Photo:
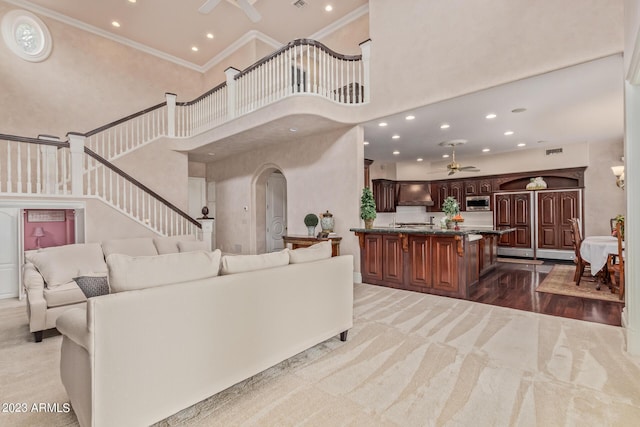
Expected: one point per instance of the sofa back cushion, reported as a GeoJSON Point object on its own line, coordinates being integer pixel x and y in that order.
{"type": "Point", "coordinates": [192, 246]}
{"type": "Point", "coordinates": [60, 264]}
{"type": "Point", "coordinates": [137, 246]}
{"type": "Point", "coordinates": [241, 263]}
{"type": "Point", "coordinates": [128, 273]}
{"type": "Point", "coordinates": [315, 252]}
{"type": "Point", "coordinates": [169, 245]}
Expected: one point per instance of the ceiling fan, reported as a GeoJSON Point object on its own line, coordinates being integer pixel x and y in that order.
{"type": "Point", "coordinates": [454, 166]}
{"type": "Point", "coordinates": [247, 7]}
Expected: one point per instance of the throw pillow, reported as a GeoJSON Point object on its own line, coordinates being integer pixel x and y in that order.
{"type": "Point", "coordinates": [128, 273]}
{"type": "Point", "coordinates": [315, 252]}
{"type": "Point", "coordinates": [92, 286]}
{"type": "Point", "coordinates": [192, 246]}
{"type": "Point", "coordinates": [243, 263]}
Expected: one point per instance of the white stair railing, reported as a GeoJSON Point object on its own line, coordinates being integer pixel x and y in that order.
{"type": "Point", "coordinates": [203, 113]}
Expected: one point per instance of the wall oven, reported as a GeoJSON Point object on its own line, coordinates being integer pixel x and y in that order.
{"type": "Point", "coordinates": [478, 203]}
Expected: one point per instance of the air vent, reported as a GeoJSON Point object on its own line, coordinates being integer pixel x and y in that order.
{"type": "Point", "coordinates": [299, 3]}
{"type": "Point", "coordinates": [554, 151]}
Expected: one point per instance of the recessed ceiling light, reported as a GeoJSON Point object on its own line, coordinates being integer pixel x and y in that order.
{"type": "Point", "coordinates": [293, 129]}
{"type": "Point", "coordinates": [209, 35]}
{"type": "Point", "coordinates": [490, 116]}
{"type": "Point", "coordinates": [395, 153]}
{"type": "Point", "coordinates": [486, 150]}
{"type": "Point", "coordinates": [445, 156]}
{"type": "Point", "coordinates": [328, 8]}
{"type": "Point", "coordinates": [445, 126]}
{"type": "Point", "coordinates": [366, 143]}
{"type": "Point", "coordinates": [509, 132]}
{"type": "Point", "coordinates": [395, 137]}
{"type": "Point", "coordinates": [194, 48]}
{"type": "Point", "coordinates": [419, 159]}
{"type": "Point", "coordinates": [132, 1]}
{"type": "Point", "coordinates": [522, 144]}
{"type": "Point", "coordinates": [518, 110]}
{"type": "Point", "coordinates": [410, 117]}
{"type": "Point", "coordinates": [382, 124]}
{"type": "Point", "coordinates": [211, 154]}
{"type": "Point", "coordinates": [115, 24]}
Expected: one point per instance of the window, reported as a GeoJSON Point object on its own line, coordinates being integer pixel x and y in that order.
{"type": "Point", "coordinates": [26, 35]}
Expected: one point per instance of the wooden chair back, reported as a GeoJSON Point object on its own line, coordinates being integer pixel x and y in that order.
{"type": "Point", "coordinates": [576, 236]}
{"type": "Point", "coordinates": [612, 223]}
{"type": "Point", "coordinates": [620, 257]}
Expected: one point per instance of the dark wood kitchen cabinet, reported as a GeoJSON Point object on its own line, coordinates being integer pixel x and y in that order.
{"type": "Point", "coordinates": [514, 211]}
{"type": "Point", "coordinates": [384, 193]}
{"type": "Point", "coordinates": [443, 189]}
{"type": "Point", "coordinates": [372, 257]}
{"type": "Point", "coordinates": [392, 258]}
{"type": "Point", "coordinates": [555, 209]}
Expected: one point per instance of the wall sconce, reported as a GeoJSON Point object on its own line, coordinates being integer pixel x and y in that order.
{"type": "Point", "coordinates": [618, 171]}
{"type": "Point", "coordinates": [38, 232]}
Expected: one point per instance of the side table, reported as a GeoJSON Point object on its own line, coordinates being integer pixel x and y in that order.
{"type": "Point", "coordinates": [304, 241]}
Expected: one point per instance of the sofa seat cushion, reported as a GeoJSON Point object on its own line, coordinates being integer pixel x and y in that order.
{"type": "Point", "coordinates": [243, 263]}
{"type": "Point", "coordinates": [128, 273]}
{"type": "Point", "coordinates": [137, 246]}
{"type": "Point", "coordinates": [58, 265]}
{"type": "Point", "coordinates": [66, 294]}
{"type": "Point", "coordinates": [169, 245]}
{"type": "Point", "coordinates": [315, 252]}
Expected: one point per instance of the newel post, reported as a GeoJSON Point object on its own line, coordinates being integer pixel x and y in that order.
{"type": "Point", "coordinates": [76, 147]}
{"type": "Point", "coordinates": [49, 165]}
{"type": "Point", "coordinates": [365, 49]}
{"type": "Point", "coordinates": [232, 92]}
{"type": "Point", "coordinates": [206, 233]}
{"type": "Point", "coordinates": [171, 114]}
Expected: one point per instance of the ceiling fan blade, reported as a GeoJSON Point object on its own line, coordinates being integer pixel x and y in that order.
{"type": "Point", "coordinates": [208, 6]}
{"type": "Point", "coordinates": [451, 172]}
{"type": "Point", "coordinates": [468, 168]}
{"type": "Point", "coordinates": [251, 11]}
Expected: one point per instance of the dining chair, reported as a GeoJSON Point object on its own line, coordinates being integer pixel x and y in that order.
{"type": "Point", "coordinates": [581, 264]}
{"type": "Point", "coordinates": [617, 267]}
{"type": "Point", "coordinates": [612, 224]}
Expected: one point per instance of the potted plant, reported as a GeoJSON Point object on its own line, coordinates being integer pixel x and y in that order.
{"type": "Point", "coordinates": [450, 207]}
{"type": "Point", "coordinates": [367, 207]}
{"type": "Point", "coordinates": [311, 220]}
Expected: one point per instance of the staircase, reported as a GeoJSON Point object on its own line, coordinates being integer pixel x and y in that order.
{"type": "Point", "coordinates": [82, 165]}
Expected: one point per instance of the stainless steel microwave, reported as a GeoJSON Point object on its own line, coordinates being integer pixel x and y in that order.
{"type": "Point", "coordinates": [478, 203]}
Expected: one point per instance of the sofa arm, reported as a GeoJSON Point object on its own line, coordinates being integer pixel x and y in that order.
{"type": "Point", "coordinates": [36, 305]}
{"type": "Point", "coordinates": [32, 279]}
{"type": "Point", "coordinates": [73, 324]}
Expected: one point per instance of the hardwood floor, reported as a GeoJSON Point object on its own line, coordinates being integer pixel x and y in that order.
{"type": "Point", "coordinates": [514, 286]}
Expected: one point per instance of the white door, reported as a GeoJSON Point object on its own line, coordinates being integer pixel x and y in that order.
{"type": "Point", "coordinates": [276, 211]}
{"type": "Point", "coordinates": [9, 260]}
{"type": "Point", "coordinates": [197, 196]}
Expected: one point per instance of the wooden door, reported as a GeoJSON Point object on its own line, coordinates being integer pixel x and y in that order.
{"type": "Point", "coordinates": [568, 205]}
{"type": "Point", "coordinates": [445, 274]}
{"type": "Point", "coordinates": [9, 259]}
{"type": "Point", "coordinates": [371, 257]}
{"type": "Point", "coordinates": [503, 218]}
{"type": "Point", "coordinates": [521, 220]}
{"type": "Point", "coordinates": [276, 211]}
{"type": "Point", "coordinates": [548, 230]}
{"type": "Point", "coordinates": [392, 264]}
{"type": "Point", "coordinates": [420, 261]}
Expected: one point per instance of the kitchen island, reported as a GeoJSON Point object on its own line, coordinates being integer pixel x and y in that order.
{"type": "Point", "coordinates": [427, 258]}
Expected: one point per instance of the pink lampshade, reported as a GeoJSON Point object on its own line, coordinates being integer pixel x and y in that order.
{"type": "Point", "coordinates": [38, 232]}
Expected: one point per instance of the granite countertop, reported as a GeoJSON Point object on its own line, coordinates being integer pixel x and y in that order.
{"type": "Point", "coordinates": [431, 229]}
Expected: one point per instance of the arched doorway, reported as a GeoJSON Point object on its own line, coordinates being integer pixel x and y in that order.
{"type": "Point", "coordinates": [270, 220]}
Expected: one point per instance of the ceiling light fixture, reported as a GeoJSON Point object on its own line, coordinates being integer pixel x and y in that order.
{"type": "Point", "coordinates": [328, 8]}
{"type": "Point", "coordinates": [194, 48]}
{"type": "Point", "coordinates": [293, 129]}
{"type": "Point", "coordinates": [445, 126]}
{"type": "Point", "coordinates": [509, 132]}
{"type": "Point", "coordinates": [445, 156]}
{"type": "Point", "coordinates": [382, 124]}
{"type": "Point", "coordinates": [395, 153]}
{"type": "Point", "coordinates": [395, 137]}
{"type": "Point", "coordinates": [410, 117]}
{"type": "Point", "coordinates": [618, 171]}
{"type": "Point", "coordinates": [132, 1]}
{"type": "Point", "coordinates": [490, 116]}
{"type": "Point", "coordinates": [419, 159]}
{"type": "Point", "coordinates": [209, 35]}
{"type": "Point", "coordinates": [211, 154]}
{"type": "Point", "coordinates": [366, 143]}
{"type": "Point", "coordinates": [115, 24]}
{"type": "Point", "coordinates": [486, 150]}
{"type": "Point", "coordinates": [522, 144]}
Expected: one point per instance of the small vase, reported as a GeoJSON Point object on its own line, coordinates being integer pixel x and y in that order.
{"type": "Point", "coordinates": [368, 224]}
{"type": "Point", "coordinates": [311, 230]}
{"type": "Point", "coordinates": [450, 224]}
{"type": "Point", "coordinates": [327, 222]}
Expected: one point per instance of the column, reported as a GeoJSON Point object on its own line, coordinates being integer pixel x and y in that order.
{"type": "Point", "coordinates": [365, 48]}
{"type": "Point", "coordinates": [232, 92]}
{"type": "Point", "coordinates": [76, 146]}
{"type": "Point", "coordinates": [171, 114]}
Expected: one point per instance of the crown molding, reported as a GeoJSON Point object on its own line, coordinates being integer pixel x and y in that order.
{"type": "Point", "coordinates": [336, 25]}
{"type": "Point", "coordinates": [100, 32]}
{"type": "Point", "coordinates": [246, 38]}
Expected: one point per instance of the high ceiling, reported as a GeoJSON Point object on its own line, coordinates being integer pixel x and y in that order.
{"type": "Point", "coordinates": [583, 103]}
{"type": "Point", "coordinates": [173, 27]}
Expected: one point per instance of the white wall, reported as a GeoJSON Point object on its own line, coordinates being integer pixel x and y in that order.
{"type": "Point", "coordinates": [323, 172]}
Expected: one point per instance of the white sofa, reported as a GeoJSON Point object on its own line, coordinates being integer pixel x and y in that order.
{"type": "Point", "coordinates": [50, 297]}
{"type": "Point", "coordinates": [139, 355]}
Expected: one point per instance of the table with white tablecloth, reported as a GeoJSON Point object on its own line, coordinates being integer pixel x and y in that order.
{"type": "Point", "coordinates": [596, 250]}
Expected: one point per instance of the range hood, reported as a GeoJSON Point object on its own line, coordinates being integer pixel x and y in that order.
{"type": "Point", "coordinates": [413, 194]}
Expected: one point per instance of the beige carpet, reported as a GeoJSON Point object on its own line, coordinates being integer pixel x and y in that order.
{"type": "Point", "coordinates": [560, 281]}
{"type": "Point", "coordinates": [411, 360]}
